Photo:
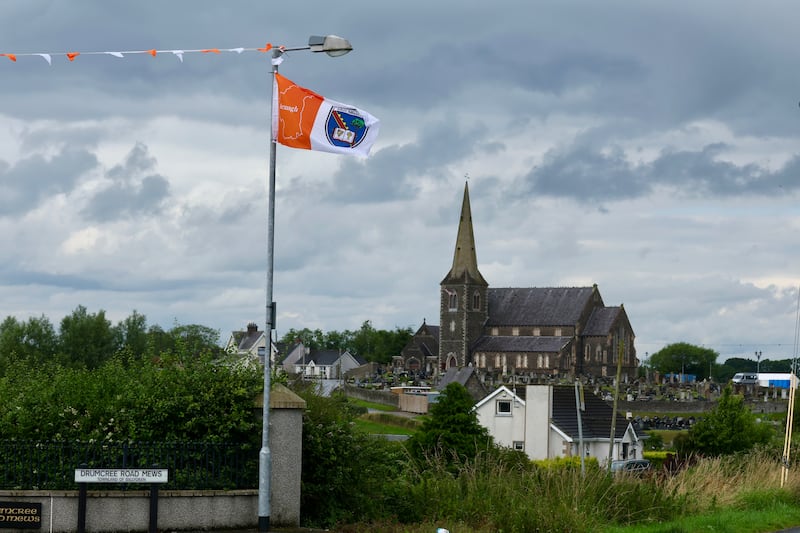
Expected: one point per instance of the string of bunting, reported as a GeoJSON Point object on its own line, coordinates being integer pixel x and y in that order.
{"type": "Point", "coordinates": [48, 56]}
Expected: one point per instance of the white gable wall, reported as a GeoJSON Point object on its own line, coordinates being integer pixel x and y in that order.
{"type": "Point", "coordinates": [507, 427]}
{"type": "Point", "coordinates": [538, 406]}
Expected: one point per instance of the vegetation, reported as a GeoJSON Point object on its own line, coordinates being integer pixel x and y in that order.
{"type": "Point", "coordinates": [730, 427]}
{"type": "Point", "coordinates": [374, 345]}
{"type": "Point", "coordinates": [452, 430]}
{"type": "Point", "coordinates": [685, 358]}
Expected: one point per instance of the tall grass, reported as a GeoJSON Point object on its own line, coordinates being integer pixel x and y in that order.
{"type": "Point", "coordinates": [494, 494]}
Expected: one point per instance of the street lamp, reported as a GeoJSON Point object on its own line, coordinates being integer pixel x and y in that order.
{"type": "Point", "coordinates": [758, 362]}
{"type": "Point", "coordinates": [333, 46]}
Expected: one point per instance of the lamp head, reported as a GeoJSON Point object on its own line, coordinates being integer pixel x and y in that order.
{"type": "Point", "coordinates": [332, 45]}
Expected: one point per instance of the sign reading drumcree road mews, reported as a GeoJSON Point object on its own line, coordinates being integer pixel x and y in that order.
{"type": "Point", "coordinates": [121, 475]}
{"type": "Point", "coordinates": [20, 515]}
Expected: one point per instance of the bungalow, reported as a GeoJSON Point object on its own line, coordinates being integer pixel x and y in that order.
{"type": "Point", "coordinates": [326, 364]}
{"type": "Point", "coordinates": [547, 421]}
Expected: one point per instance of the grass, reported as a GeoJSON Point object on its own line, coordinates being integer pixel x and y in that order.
{"type": "Point", "coordinates": [734, 494]}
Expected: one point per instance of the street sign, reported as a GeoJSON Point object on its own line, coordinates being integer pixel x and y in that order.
{"type": "Point", "coordinates": [121, 475]}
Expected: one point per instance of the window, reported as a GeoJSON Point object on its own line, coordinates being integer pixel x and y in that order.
{"type": "Point", "coordinates": [476, 301]}
{"type": "Point", "coordinates": [537, 332]}
{"type": "Point", "coordinates": [519, 445]}
{"type": "Point", "coordinates": [452, 300]}
{"type": "Point", "coordinates": [503, 407]}
{"type": "Point", "coordinates": [558, 332]}
{"type": "Point", "coordinates": [515, 332]}
{"type": "Point", "coordinates": [495, 332]}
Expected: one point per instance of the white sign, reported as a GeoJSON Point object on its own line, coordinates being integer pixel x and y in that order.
{"type": "Point", "coordinates": [121, 475]}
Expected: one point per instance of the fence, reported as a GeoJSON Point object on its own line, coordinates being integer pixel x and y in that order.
{"type": "Point", "coordinates": [50, 465]}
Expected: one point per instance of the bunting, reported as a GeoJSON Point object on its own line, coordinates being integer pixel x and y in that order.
{"type": "Point", "coordinates": [121, 54]}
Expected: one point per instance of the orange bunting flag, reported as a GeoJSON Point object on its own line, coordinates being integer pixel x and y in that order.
{"type": "Point", "coordinates": [210, 51]}
{"type": "Point", "coordinates": [72, 55]}
{"type": "Point", "coordinates": [266, 48]}
{"type": "Point", "coordinates": [152, 52]}
{"type": "Point", "coordinates": [304, 119]}
{"type": "Point", "coordinates": [12, 57]}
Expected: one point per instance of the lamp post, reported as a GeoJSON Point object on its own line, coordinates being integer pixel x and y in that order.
{"type": "Point", "coordinates": [333, 46]}
{"type": "Point", "coordinates": [758, 362]}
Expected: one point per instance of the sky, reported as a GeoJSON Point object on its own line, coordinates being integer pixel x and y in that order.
{"type": "Point", "coordinates": [652, 148]}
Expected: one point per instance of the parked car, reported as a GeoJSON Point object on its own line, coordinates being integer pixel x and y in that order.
{"type": "Point", "coordinates": [742, 378]}
{"type": "Point", "coordinates": [633, 466]}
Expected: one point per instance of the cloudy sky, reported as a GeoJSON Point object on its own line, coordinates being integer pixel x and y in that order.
{"type": "Point", "coordinates": [651, 148]}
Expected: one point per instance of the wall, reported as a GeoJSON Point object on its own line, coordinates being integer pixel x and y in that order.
{"type": "Point", "coordinates": [369, 395]}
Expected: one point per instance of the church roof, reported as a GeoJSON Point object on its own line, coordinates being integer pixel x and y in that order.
{"type": "Point", "coordinates": [520, 344]}
{"type": "Point", "coordinates": [537, 306]}
{"type": "Point", "coordinates": [601, 321]}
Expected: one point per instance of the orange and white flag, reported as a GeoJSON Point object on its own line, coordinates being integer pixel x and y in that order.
{"type": "Point", "coordinates": [304, 119]}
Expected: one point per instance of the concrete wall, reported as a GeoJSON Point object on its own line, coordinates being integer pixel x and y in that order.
{"type": "Point", "coordinates": [538, 406]}
{"type": "Point", "coordinates": [112, 511]}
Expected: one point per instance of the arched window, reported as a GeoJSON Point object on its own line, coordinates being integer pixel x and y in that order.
{"type": "Point", "coordinates": [452, 300]}
{"type": "Point", "coordinates": [476, 301]}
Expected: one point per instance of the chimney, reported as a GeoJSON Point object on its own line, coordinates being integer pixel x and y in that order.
{"type": "Point", "coordinates": [252, 327]}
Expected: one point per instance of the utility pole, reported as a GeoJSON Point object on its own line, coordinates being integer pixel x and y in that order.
{"type": "Point", "coordinates": [614, 409]}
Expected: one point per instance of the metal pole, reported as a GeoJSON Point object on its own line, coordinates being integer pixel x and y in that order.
{"type": "Point", "coordinates": [265, 456]}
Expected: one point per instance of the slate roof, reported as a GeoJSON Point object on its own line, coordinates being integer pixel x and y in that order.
{"type": "Point", "coordinates": [596, 419]}
{"type": "Point", "coordinates": [537, 306]}
{"type": "Point", "coordinates": [246, 339]}
{"type": "Point", "coordinates": [457, 375]}
{"type": "Point", "coordinates": [323, 357]}
{"type": "Point", "coordinates": [601, 320]}
{"type": "Point", "coordinates": [520, 344]}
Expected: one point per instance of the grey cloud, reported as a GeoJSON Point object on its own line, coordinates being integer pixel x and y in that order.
{"type": "Point", "coordinates": [587, 174]}
{"type": "Point", "coordinates": [133, 190]}
{"type": "Point", "coordinates": [30, 181]}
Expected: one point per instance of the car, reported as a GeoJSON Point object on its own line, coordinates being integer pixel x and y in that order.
{"type": "Point", "coordinates": [633, 466]}
{"type": "Point", "coordinates": [742, 378]}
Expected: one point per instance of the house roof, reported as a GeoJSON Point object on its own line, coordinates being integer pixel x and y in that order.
{"type": "Point", "coordinates": [520, 344]}
{"type": "Point", "coordinates": [497, 392]}
{"type": "Point", "coordinates": [537, 306]}
{"type": "Point", "coordinates": [245, 340]}
{"type": "Point", "coordinates": [460, 375]}
{"type": "Point", "coordinates": [324, 357]}
{"type": "Point", "coordinates": [595, 419]}
{"type": "Point", "coordinates": [601, 321]}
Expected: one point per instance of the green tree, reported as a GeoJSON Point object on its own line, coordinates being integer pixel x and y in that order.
{"type": "Point", "coordinates": [686, 358]}
{"type": "Point", "coordinates": [34, 341]}
{"type": "Point", "coordinates": [132, 333]}
{"type": "Point", "coordinates": [347, 475]}
{"type": "Point", "coordinates": [86, 339]}
{"type": "Point", "coordinates": [452, 431]}
{"type": "Point", "coordinates": [728, 428]}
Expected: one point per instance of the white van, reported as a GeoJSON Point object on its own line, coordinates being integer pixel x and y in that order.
{"type": "Point", "coordinates": [744, 378]}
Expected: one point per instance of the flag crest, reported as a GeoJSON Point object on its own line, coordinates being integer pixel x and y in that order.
{"type": "Point", "coordinates": [304, 119]}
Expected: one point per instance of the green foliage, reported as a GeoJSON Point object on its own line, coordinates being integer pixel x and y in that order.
{"type": "Point", "coordinates": [684, 357]}
{"type": "Point", "coordinates": [126, 398]}
{"type": "Point", "coordinates": [730, 427]}
{"type": "Point", "coordinates": [452, 431]}
{"type": "Point", "coordinates": [367, 342]}
{"type": "Point", "coordinates": [347, 474]}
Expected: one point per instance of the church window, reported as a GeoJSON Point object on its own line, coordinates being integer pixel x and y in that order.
{"type": "Point", "coordinates": [515, 332]}
{"type": "Point", "coordinates": [537, 332]}
{"type": "Point", "coordinates": [452, 325]}
{"type": "Point", "coordinates": [547, 361]}
{"type": "Point", "coordinates": [558, 332]}
{"type": "Point", "coordinates": [495, 332]}
{"type": "Point", "coordinates": [476, 301]}
{"type": "Point", "coordinates": [539, 361]}
{"type": "Point", "coordinates": [452, 300]}
{"type": "Point", "coordinates": [598, 354]}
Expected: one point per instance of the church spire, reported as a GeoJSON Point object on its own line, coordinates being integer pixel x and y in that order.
{"type": "Point", "coordinates": [465, 260]}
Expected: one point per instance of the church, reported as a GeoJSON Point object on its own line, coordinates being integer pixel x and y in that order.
{"type": "Point", "coordinates": [518, 335]}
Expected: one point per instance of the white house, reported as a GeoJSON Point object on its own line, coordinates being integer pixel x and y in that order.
{"type": "Point", "coordinates": [251, 344]}
{"type": "Point", "coordinates": [326, 364]}
{"type": "Point", "coordinates": [502, 412]}
{"type": "Point", "coordinates": [544, 422]}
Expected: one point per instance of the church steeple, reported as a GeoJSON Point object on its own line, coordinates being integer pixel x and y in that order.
{"type": "Point", "coordinates": [463, 299]}
{"type": "Point", "coordinates": [465, 260]}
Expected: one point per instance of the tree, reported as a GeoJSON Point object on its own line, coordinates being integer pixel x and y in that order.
{"type": "Point", "coordinates": [728, 428]}
{"type": "Point", "coordinates": [132, 333]}
{"type": "Point", "coordinates": [86, 339]}
{"type": "Point", "coordinates": [452, 432]}
{"type": "Point", "coordinates": [685, 358]}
